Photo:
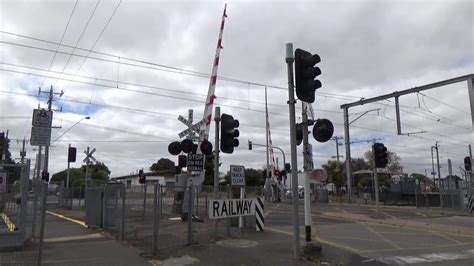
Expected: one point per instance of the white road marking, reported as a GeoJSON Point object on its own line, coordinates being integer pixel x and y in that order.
{"type": "Point", "coordinates": [430, 257]}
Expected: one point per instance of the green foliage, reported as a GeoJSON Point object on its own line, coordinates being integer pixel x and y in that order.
{"type": "Point", "coordinates": [393, 165]}
{"type": "Point", "coordinates": [358, 164]}
{"type": "Point", "coordinates": [335, 171]}
{"type": "Point", "coordinates": [163, 164]}
{"type": "Point", "coordinates": [99, 172]}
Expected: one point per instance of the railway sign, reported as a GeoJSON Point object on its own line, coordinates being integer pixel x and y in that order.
{"type": "Point", "coordinates": [237, 175]}
{"type": "Point", "coordinates": [231, 208]}
{"type": "Point", "coordinates": [89, 156]}
{"type": "Point", "coordinates": [195, 162]}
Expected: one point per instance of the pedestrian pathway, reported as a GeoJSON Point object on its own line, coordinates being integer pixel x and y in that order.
{"type": "Point", "coordinates": [69, 242]}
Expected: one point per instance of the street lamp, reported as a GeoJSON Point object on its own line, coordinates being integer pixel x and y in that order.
{"type": "Point", "coordinates": [64, 133]}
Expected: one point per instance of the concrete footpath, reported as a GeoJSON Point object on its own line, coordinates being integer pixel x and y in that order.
{"type": "Point", "coordinates": [253, 248]}
{"type": "Point", "coordinates": [69, 242]}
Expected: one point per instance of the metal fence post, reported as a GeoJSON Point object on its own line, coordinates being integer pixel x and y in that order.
{"type": "Point", "coordinates": [190, 215]}
{"type": "Point", "coordinates": [155, 222]}
{"type": "Point", "coordinates": [122, 229]}
{"type": "Point", "coordinates": [144, 202]}
{"type": "Point", "coordinates": [80, 195]}
{"type": "Point", "coordinates": [42, 222]}
{"type": "Point", "coordinates": [161, 199]}
{"type": "Point", "coordinates": [206, 214]}
{"type": "Point", "coordinates": [197, 202]}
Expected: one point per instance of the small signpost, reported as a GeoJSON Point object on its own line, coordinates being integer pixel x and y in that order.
{"type": "Point", "coordinates": [87, 160]}
{"type": "Point", "coordinates": [3, 182]}
{"type": "Point", "coordinates": [237, 175]}
{"type": "Point", "coordinates": [41, 127]}
{"type": "Point", "coordinates": [195, 162]}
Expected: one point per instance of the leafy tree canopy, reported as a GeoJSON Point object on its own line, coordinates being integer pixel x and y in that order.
{"type": "Point", "coordinates": [163, 164]}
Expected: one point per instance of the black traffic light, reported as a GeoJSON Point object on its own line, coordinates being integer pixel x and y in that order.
{"type": "Point", "coordinates": [467, 163]}
{"type": "Point", "coordinates": [288, 167]}
{"type": "Point", "coordinates": [305, 74]}
{"type": "Point", "coordinates": [141, 177]}
{"type": "Point", "coordinates": [206, 147]}
{"type": "Point", "coordinates": [174, 148]}
{"type": "Point", "coordinates": [45, 176]}
{"type": "Point", "coordinates": [229, 133]}
{"type": "Point", "coordinates": [71, 154]}
{"type": "Point", "coordinates": [380, 155]}
{"type": "Point", "coordinates": [187, 146]}
{"type": "Point", "coordinates": [299, 133]}
{"type": "Point", "coordinates": [323, 130]}
{"type": "Point", "coordinates": [182, 160]}
{"type": "Point", "coordinates": [250, 145]}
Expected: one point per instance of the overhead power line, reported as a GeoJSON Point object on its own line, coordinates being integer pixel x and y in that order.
{"type": "Point", "coordinates": [161, 67]}
{"type": "Point", "coordinates": [61, 41]}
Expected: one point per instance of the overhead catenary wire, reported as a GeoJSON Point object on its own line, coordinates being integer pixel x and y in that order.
{"type": "Point", "coordinates": [60, 41]}
{"type": "Point", "coordinates": [80, 37]}
{"type": "Point", "coordinates": [163, 67]}
{"type": "Point", "coordinates": [151, 112]}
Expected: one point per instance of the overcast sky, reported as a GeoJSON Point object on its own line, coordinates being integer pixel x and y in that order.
{"type": "Point", "coordinates": [367, 48]}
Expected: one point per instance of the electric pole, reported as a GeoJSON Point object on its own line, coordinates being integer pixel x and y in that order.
{"type": "Point", "coordinates": [50, 103]}
{"type": "Point", "coordinates": [336, 138]}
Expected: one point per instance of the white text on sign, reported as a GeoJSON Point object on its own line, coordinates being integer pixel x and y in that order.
{"type": "Point", "coordinates": [231, 208]}
{"type": "Point", "coordinates": [237, 175]}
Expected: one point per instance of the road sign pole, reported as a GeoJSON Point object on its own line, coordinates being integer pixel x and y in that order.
{"type": "Point", "coordinates": [289, 58]}
{"type": "Point", "coordinates": [87, 172]}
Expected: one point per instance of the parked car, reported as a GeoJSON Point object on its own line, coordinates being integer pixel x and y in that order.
{"type": "Point", "coordinates": [331, 188]}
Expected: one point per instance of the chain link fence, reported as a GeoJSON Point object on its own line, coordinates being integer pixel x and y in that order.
{"type": "Point", "coordinates": [157, 217]}
{"type": "Point", "coordinates": [21, 223]}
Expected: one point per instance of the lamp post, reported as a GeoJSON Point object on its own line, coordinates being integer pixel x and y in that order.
{"type": "Point", "coordinates": [64, 133]}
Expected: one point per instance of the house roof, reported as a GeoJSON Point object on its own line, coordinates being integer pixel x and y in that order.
{"type": "Point", "coordinates": [154, 173]}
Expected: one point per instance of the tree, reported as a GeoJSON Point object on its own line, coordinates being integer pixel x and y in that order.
{"type": "Point", "coordinates": [393, 165]}
{"type": "Point", "coordinates": [209, 167]}
{"type": "Point", "coordinates": [162, 164]}
{"type": "Point", "coordinates": [335, 171]}
{"type": "Point", "coordinates": [358, 164]}
{"type": "Point", "coordinates": [99, 172]}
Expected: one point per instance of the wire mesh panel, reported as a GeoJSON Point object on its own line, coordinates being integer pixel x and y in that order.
{"type": "Point", "coordinates": [20, 237]}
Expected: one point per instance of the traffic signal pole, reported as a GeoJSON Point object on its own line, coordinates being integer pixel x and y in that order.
{"type": "Point", "coordinates": [217, 119]}
{"type": "Point", "coordinates": [289, 58]}
{"type": "Point", "coordinates": [306, 166]}
{"type": "Point", "coordinates": [376, 182]}
{"type": "Point", "coordinates": [68, 165]}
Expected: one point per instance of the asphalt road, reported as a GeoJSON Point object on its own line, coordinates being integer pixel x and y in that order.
{"type": "Point", "coordinates": [375, 242]}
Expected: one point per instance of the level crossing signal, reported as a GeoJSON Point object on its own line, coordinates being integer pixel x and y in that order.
{"type": "Point", "coordinates": [141, 177]}
{"type": "Point", "coordinates": [188, 146]}
{"type": "Point", "coordinates": [229, 133]}
{"type": "Point", "coordinates": [380, 155]}
{"type": "Point", "coordinates": [71, 154]}
{"type": "Point", "coordinates": [467, 163]}
{"type": "Point", "coordinates": [45, 176]}
{"type": "Point", "coordinates": [305, 74]}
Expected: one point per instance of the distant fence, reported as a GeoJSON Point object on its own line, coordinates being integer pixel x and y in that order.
{"type": "Point", "coordinates": [156, 217]}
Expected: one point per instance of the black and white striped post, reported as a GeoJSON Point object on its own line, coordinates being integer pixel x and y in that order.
{"type": "Point", "coordinates": [259, 215]}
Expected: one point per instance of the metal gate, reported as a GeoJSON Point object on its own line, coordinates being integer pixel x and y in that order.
{"type": "Point", "coordinates": [22, 213]}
